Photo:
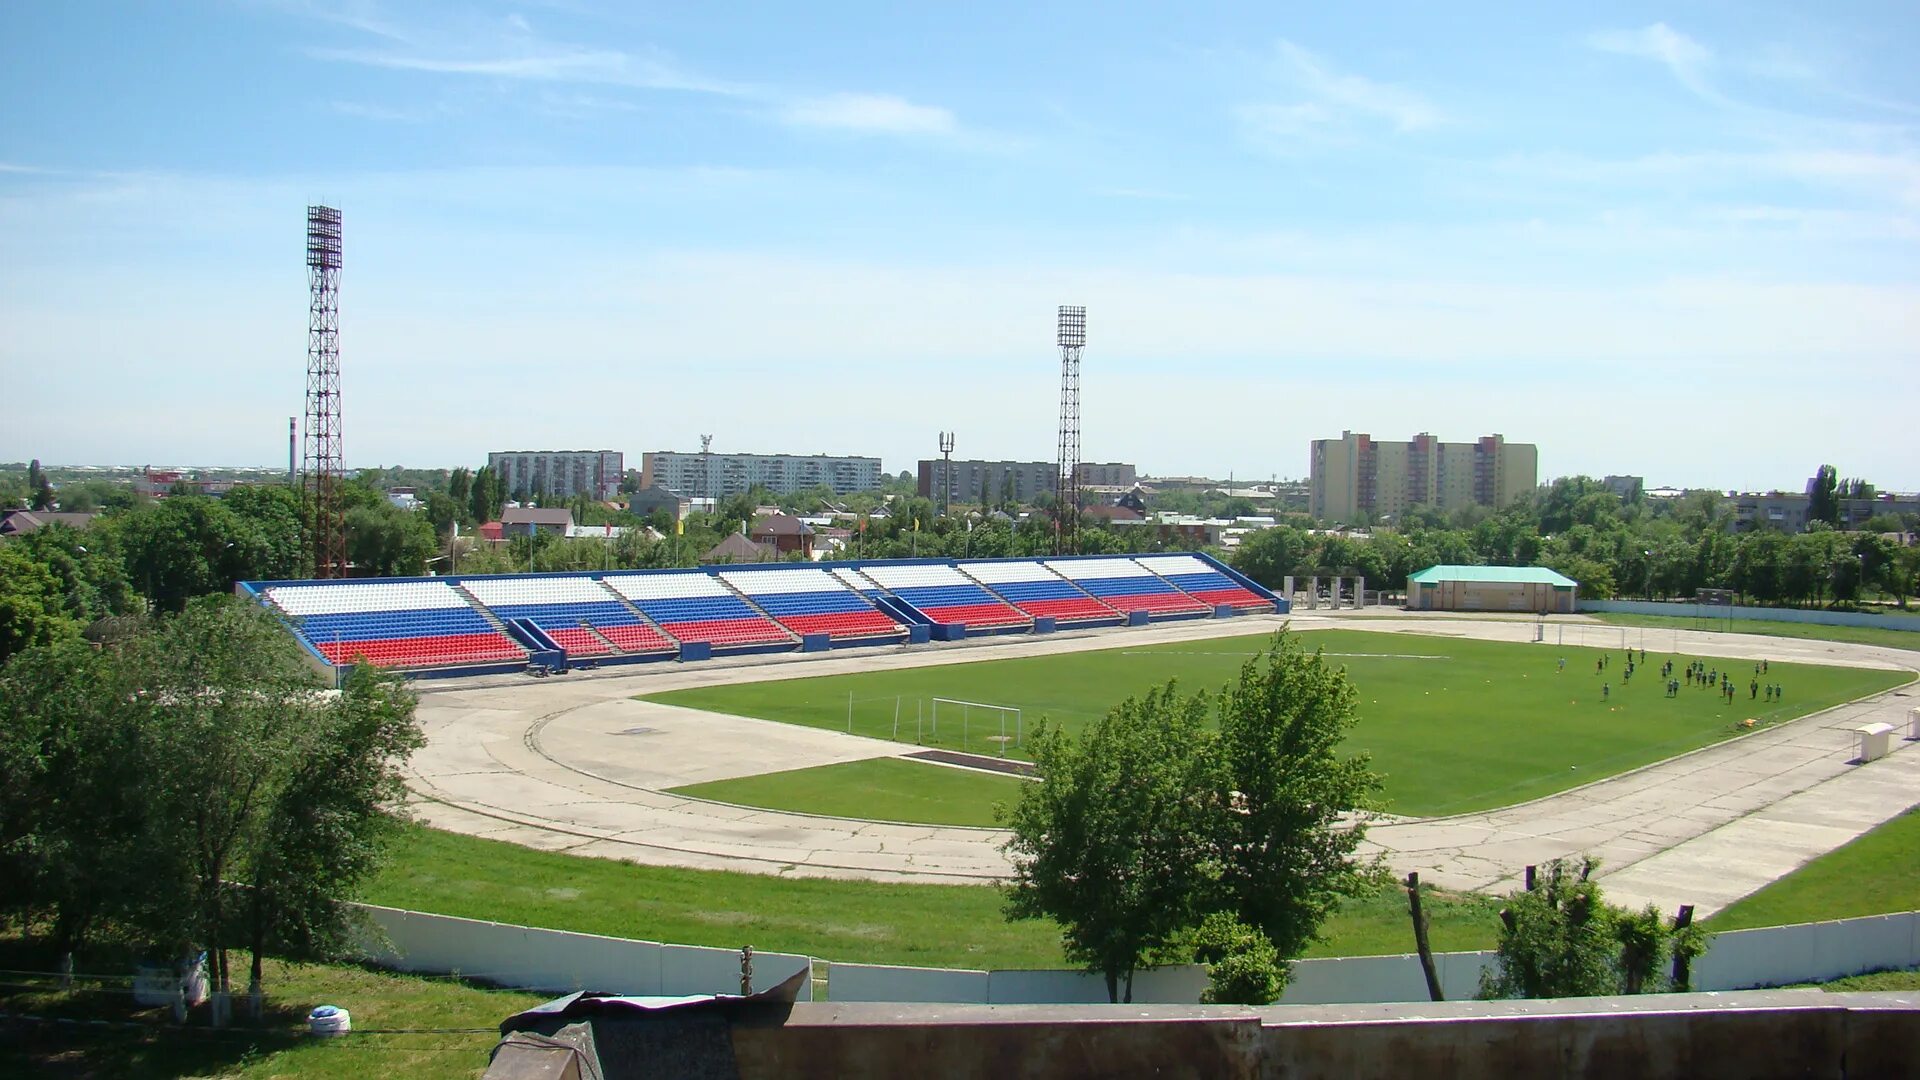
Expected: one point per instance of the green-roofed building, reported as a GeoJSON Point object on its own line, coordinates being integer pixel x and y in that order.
{"type": "Point", "coordinates": [1492, 588]}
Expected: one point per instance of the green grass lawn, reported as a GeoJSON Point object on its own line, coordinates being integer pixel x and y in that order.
{"type": "Point", "coordinates": [849, 921]}
{"type": "Point", "coordinates": [887, 789]}
{"type": "Point", "coordinates": [466, 1020]}
{"type": "Point", "coordinates": [1878, 980]}
{"type": "Point", "coordinates": [1876, 874]}
{"type": "Point", "coordinates": [1859, 635]}
{"type": "Point", "coordinates": [1454, 724]}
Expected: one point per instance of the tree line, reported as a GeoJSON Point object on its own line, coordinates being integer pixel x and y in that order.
{"type": "Point", "coordinates": [192, 787]}
{"type": "Point", "coordinates": [1632, 548]}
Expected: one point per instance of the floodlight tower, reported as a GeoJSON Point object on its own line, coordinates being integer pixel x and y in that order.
{"type": "Point", "coordinates": [324, 460]}
{"type": "Point", "coordinates": [1072, 338]}
{"type": "Point", "coordinates": [946, 470]}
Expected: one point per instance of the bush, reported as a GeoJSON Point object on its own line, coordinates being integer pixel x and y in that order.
{"type": "Point", "coordinates": [1243, 967]}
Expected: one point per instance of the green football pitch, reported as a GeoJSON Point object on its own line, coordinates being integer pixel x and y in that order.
{"type": "Point", "coordinates": [1453, 724]}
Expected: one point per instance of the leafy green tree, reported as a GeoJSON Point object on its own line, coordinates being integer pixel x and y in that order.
{"type": "Point", "coordinates": [1823, 501]}
{"type": "Point", "coordinates": [1269, 555]}
{"type": "Point", "coordinates": [191, 545]}
{"type": "Point", "coordinates": [279, 543]}
{"type": "Point", "coordinates": [1294, 803]}
{"type": "Point", "coordinates": [442, 513]}
{"type": "Point", "coordinates": [1107, 843]}
{"type": "Point", "coordinates": [40, 491]}
{"type": "Point", "coordinates": [73, 809]}
{"type": "Point", "coordinates": [326, 834]}
{"type": "Point", "coordinates": [92, 578]}
{"type": "Point", "coordinates": [1562, 939]}
{"type": "Point", "coordinates": [1243, 967]}
{"type": "Point", "coordinates": [31, 611]}
{"type": "Point", "coordinates": [189, 788]}
{"type": "Point", "coordinates": [386, 541]}
{"type": "Point", "coordinates": [460, 488]}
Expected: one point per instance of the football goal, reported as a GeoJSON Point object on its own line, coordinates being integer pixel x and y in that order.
{"type": "Point", "coordinates": [999, 725]}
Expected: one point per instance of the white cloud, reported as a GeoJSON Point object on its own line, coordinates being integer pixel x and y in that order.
{"type": "Point", "coordinates": [880, 114]}
{"type": "Point", "coordinates": [1686, 59]}
{"type": "Point", "coordinates": [545, 63]}
{"type": "Point", "coordinates": [1333, 93]}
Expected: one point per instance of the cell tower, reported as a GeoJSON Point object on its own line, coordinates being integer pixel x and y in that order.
{"type": "Point", "coordinates": [1066, 522]}
{"type": "Point", "coordinates": [323, 461]}
{"type": "Point", "coordinates": [946, 471]}
{"type": "Point", "coordinates": [706, 471]}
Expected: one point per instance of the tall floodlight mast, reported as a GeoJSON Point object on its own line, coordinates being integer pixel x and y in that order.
{"type": "Point", "coordinates": [324, 462]}
{"type": "Point", "coordinates": [1066, 522]}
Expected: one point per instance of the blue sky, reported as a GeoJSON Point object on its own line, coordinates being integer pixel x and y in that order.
{"type": "Point", "coordinates": [1680, 241]}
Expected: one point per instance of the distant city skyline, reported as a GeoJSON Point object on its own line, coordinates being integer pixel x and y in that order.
{"type": "Point", "coordinates": [1682, 243]}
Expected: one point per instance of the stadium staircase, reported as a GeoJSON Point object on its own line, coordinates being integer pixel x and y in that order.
{"type": "Point", "coordinates": [1205, 584]}
{"type": "Point", "coordinates": [485, 612]}
{"type": "Point", "coordinates": [758, 610]}
{"type": "Point", "coordinates": [645, 621]}
{"type": "Point", "coordinates": [1031, 587]}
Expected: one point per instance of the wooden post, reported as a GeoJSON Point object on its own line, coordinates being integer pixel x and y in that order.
{"type": "Point", "coordinates": [1682, 964]}
{"type": "Point", "coordinates": [1420, 938]}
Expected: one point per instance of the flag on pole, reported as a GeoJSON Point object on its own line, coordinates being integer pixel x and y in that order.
{"type": "Point", "coordinates": [680, 527]}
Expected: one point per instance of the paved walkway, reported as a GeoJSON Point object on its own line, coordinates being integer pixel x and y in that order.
{"type": "Point", "coordinates": [574, 764]}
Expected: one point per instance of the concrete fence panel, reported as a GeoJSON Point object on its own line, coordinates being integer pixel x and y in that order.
{"type": "Point", "coordinates": [1738, 959]}
{"type": "Point", "coordinates": [883, 982]}
{"type": "Point", "coordinates": [1689, 610]}
{"type": "Point", "coordinates": [695, 969]}
{"type": "Point", "coordinates": [561, 962]}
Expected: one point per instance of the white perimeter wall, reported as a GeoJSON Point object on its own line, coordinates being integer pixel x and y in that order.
{"type": "Point", "coordinates": [1686, 610]}
{"type": "Point", "coordinates": [558, 961]}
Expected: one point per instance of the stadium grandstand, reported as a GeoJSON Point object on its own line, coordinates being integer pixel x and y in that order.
{"type": "Point", "coordinates": [514, 622]}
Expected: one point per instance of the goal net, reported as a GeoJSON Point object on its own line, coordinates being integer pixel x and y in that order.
{"type": "Point", "coordinates": [991, 726]}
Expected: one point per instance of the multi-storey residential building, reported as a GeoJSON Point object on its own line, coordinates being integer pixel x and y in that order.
{"type": "Point", "coordinates": [560, 474]}
{"type": "Point", "coordinates": [1788, 511]}
{"type": "Point", "coordinates": [1356, 475]}
{"type": "Point", "coordinates": [1030, 478]}
{"type": "Point", "coordinates": [718, 476]}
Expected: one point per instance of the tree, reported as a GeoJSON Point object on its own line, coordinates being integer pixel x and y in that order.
{"type": "Point", "coordinates": [73, 808]}
{"type": "Point", "coordinates": [1243, 967]}
{"type": "Point", "coordinates": [1106, 843]}
{"type": "Point", "coordinates": [1269, 555]}
{"type": "Point", "coordinates": [189, 789]}
{"type": "Point", "coordinates": [1562, 939]}
{"type": "Point", "coordinates": [192, 545]}
{"type": "Point", "coordinates": [39, 490]}
{"type": "Point", "coordinates": [1823, 502]}
{"type": "Point", "coordinates": [460, 489]}
{"type": "Point", "coordinates": [488, 495]}
{"type": "Point", "coordinates": [386, 541]}
{"type": "Point", "coordinates": [1294, 805]}
{"type": "Point", "coordinates": [31, 612]}
{"type": "Point", "coordinates": [326, 833]}
{"type": "Point", "coordinates": [277, 548]}
{"type": "Point", "coordinates": [1149, 823]}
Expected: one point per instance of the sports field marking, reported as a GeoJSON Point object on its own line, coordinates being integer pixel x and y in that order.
{"type": "Point", "coordinates": [1363, 655]}
{"type": "Point", "coordinates": [1507, 724]}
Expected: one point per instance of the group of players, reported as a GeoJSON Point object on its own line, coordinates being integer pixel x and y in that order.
{"type": "Point", "coordinates": [1696, 673]}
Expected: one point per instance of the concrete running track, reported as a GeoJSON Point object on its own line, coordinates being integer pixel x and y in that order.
{"type": "Point", "coordinates": [574, 764]}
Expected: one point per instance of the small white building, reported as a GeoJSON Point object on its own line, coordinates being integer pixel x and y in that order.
{"type": "Point", "coordinates": [1492, 588]}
